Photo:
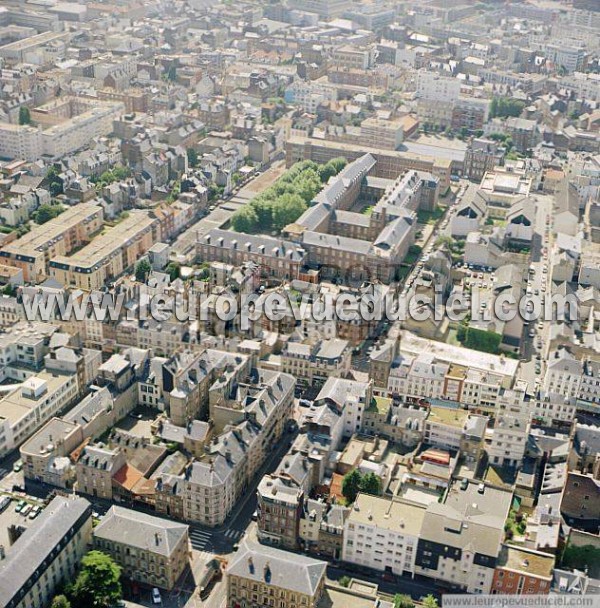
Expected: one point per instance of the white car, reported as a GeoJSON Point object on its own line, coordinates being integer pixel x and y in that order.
{"type": "Point", "coordinates": [156, 599]}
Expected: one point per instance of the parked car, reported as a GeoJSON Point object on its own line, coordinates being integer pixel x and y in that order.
{"type": "Point", "coordinates": [26, 510]}
{"type": "Point", "coordinates": [20, 505]}
{"type": "Point", "coordinates": [35, 512]}
{"type": "Point", "coordinates": [4, 502]}
{"type": "Point", "coordinates": [156, 598]}
{"type": "Point", "coordinates": [18, 466]}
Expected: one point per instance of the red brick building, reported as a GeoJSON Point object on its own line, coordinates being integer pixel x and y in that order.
{"type": "Point", "coordinates": [522, 572]}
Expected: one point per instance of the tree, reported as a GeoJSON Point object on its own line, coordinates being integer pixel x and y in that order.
{"type": "Point", "coordinates": [54, 181]}
{"type": "Point", "coordinates": [45, 213]}
{"type": "Point", "coordinates": [142, 270]}
{"type": "Point", "coordinates": [97, 584]}
{"type": "Point", "coordinates": [402, 600]}
{"type": "Point", "coordinates": [442, 241]}
{"type": "Point", "coordinates": [289, 208]}
{"type": "Point", "coordinates": [245, 220]}
{"type": "Point", "coordinates": [192, 157]}
{"type": "Point", "coordinates": [173, 270]}
{"type": "Point", "coordinates": [351, 485]}
{"type": "Point", "coordinates": [60, 601]}
{"type": "Point", "coordinates": [172, 74]}
{"type": "Point", "coordinates": [344, 581]}
{"type": "Point", "coordinates": [370, 484]}
{"type": "Point", "coordinates": [331, 168]}
{"type": "Point", "coordinates": [580, 558]}
{"type": "Point", "coordinates": [24, 116]}
{"type": "Point", "coordinates": [429, 601]}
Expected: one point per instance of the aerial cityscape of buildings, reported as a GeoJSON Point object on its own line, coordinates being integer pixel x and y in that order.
{"type": "Point", "coordinates": [208, 210]}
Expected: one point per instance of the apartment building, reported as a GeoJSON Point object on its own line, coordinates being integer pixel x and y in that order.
{"type": "Point", "coordinates": [95, 469]}
{"type": "Point", "coordinates": [108, 255]}
{"type": "Point", "coordinates": [433, 370]}
{"type": "Point", "coordinates": [436, 87]}
{"type": "Point", "coordinates": [260, 576]}
{"type": "Point", "coordinates": [213, 485]}
{"type": "Point", "coordinates": [70, 230]}
{"type": "Point", "coordinates": [481, 156]}
{"type": "Point", "coordinates": [352, 57]}
{"type": "Point", "coordinates": [45, 454]}
{"type": "Point", "coordinates": [461, 537]}
{"type": "Point", "coordinates": [47, 555]}
{"type": "Point", "coordinates": [380, 133]}
{"type": "Point", "coordinates": [509, 441]}
{"type": "Point", "coordinates": [314, 363]}
{"type": "Point", "coordinates": [151, 550]}
{"type": "Point", "coordinates": [351, 398]}
{"type": "Point", "coordinates": [20, 141]}
{"type": "Point", "coordinates": [390, 163]}
{"type": "Point", "coordinates": [280, 501]}
{"type": "Point", "coordinates": [455, 429]}
{"type": "Point", "coordinates": [276, 257]}
{"type": "Point", "coordinates": [23, 347]}
{"type": "Point", "coordinates": [572, 378]}
{"type": "Point", "coordinates": [521, 571]}
{"type": "Point", "coordinates": [26, 408]}
{"type": "Point", "coordinates": [382, 534]}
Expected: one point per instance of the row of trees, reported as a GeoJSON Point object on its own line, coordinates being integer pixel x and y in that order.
{"type": "Point", "coordinates": [287, 199]}
{"type": "Point", "coordinates": [97, 585]}
{"type": "Point", "coordinates": [354, 482]}
{"type": "Point", "coordinates": [505, 107]}
{"type": "Point", "coordinates": [479, 339]}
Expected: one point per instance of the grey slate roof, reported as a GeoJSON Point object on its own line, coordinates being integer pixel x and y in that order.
{"type": "Point", "coordinates": [37, 543]}
{"type": "Point", "coordinates": [294, 572]}
{"type": "Point", "coordinates": [142, 531]}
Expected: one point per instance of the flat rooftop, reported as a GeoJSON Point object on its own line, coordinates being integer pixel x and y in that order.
{"type": "Point", "coordinates": [40, 236]}
{"type": "Point", "coordinates": [413, 344]}
{"type": "Point", "coordinates": [16, 404]}
{"type": "Point", "coordinates": [446, 415]}
{"type": "Point", "coordinates": [392, 515]}
{"type": "Point", "coordinates": [104, 246]}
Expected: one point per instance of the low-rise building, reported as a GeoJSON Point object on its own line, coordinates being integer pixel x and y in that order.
{"type": "Point", "coordinates": [151, 550]}
{"type": "Point", "coordinates": [258, 575]}
{"type": "Point", "coordinates": [522, 572]}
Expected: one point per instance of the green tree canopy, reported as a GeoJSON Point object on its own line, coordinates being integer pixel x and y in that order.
{"type": "Point", "coordinates": [351, 485]}
{"type": "Point", "coordinates": [370, 484]}
{"type": "Point", "coordinates": [402, 600]}
{"type": "Point", "coordinates": [97, 584]}
{"type": "Point", "coordinates": [429, 601]}
{"type": "Point", "coordinates": [142, 270]}
{"type": "Point", "coordinates": [285, 201]}
{"type": "Point", "coordinates": [60, 601]}
{"type": "Point", "coordinates": [45, 213]}
{"type": "Point", "coordinates": [55, 183]}
{"type": "Point", "coordinates": [24, 116]}
{"type": "Point", "coordinates": [354, 482]}
{"type": "Point", "coordinates": [192, 157]}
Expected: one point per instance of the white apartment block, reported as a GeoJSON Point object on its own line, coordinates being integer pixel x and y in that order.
{"type": "Point", "coordinates": [509, 440]}
{"type": "Point", "coordinates": [30, 143]}
{"type": "Point", "coordinates": [20, 141]}
{"type": "Point", "coordinates": [435, 87]}
{"type": "Point", "coordinates": [382, 534]}
{"type": "Point", "coordinates": [29, 406]}
{"type": "Point", "coordinates": [568, 376]}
